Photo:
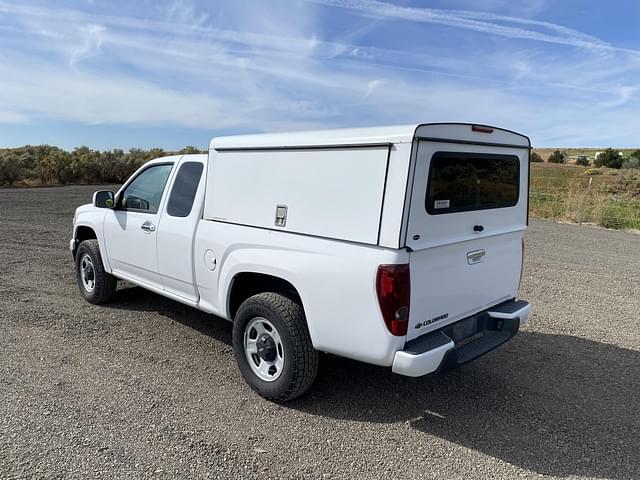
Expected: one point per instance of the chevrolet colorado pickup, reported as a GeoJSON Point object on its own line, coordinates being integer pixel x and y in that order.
{"type": "Point", "coordinates": [396, 246]}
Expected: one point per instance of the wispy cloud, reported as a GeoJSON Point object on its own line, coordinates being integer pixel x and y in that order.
{"type": "Point", "coordinates": [185, 13]}
{"type": "Point", "coordinates": [93, 35]}
{"type": "Point", "coordinates": [278, 65]}
{"type": "Point", "coordinates": [476, 21]}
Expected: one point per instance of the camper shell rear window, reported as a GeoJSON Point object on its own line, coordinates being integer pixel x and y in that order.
{"type": "Point", "coordinates": [461, 182]}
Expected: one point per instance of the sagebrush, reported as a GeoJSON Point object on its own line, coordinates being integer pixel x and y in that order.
{"type": "Point", "coordinates": [48, 165]}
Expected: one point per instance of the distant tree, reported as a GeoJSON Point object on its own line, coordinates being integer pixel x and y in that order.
{"type": "Point", "coordinates": [46, 164]}
{"type": "Point", "coordinates": [582, 160]}
{"type": "Point", "coordinates": [10, 168]}
{"type": "Point", "coordinates": [558, 157]}
{"type": "Point", "coordinates": [27, 160]}
{"type": "Point", "coordinates": [636, 154]}
{"type": "Point", "coordinates": [62, 166]}
{"type": "Point", "coordinates": [157, 152]}
{"type": "Point", "coordinates": [137, 157]}
{"type": "Point", "coordinates": [112, 164]}
{"type": "Point", "coordinates": [535, 158]}
{"type": "Point", "coordinates": [86, 164]}
{"type": "Point", "coordinates": [609, 158]}
{"type": "Point", "coordinates": [189, 149]}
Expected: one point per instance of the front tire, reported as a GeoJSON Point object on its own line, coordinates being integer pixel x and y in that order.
{"type": "Point", "coordinates": [273, 348]}
{"type": "Point", "coordinates": [96, 285]}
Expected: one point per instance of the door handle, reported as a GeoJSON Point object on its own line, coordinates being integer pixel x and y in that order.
{"type": "Point", "coordinates": [148, 227]}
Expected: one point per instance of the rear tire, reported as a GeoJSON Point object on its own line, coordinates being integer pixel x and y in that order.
{"type": "Point", "coordinates": [96, 285]}
{"type": "Point", "coordinates": [273, 348]}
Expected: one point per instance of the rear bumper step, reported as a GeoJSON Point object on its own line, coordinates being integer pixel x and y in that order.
{"type": "Point", "coordinates": [462, 341]}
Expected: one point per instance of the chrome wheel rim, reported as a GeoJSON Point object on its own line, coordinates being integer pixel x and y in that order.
{"type": "Point", "coordinates": [87, 273]}
{"type": "Point", "coordinates": [264, 349]}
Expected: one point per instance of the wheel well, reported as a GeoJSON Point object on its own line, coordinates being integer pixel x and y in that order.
{"type": "Point", "coordinates": [82, 234]}
{"type": "Point", "coordinates": [245, 285]}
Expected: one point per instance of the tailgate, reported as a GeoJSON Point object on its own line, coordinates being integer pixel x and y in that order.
{"type": "Point", "coordinates": [468, 212]}
{"type": "Point", "coordinates": [451, 282]}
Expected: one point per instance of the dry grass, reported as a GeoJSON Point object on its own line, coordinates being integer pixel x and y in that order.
{"type": "Point", "coordinates": [610, 198]}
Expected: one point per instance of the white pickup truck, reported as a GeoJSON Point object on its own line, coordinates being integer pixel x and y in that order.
{"type": "Point", "coordinates": [396, 246]}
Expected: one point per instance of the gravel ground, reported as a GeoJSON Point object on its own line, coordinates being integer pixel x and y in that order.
{"type": "Point", "coordinates": [146, 387]}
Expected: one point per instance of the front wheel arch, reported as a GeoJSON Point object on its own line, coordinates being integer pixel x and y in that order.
{"type": "Point", "coordinates": [82, 233]}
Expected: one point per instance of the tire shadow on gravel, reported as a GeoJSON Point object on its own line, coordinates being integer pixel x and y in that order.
{"type": "Point", "coordinates": [137, 299]}
{"type": "Point", "coordinates": [552, 404]}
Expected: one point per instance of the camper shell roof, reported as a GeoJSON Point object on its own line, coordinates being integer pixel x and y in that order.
{"type": "Point", "coordinates": [389, 135]}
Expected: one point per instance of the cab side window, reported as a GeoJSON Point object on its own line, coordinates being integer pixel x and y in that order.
{"type": "Point", "coordinates": [144, 193]}
{"type": "Point", "coordinates": [184, 189]}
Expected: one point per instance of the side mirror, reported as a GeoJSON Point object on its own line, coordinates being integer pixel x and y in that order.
{"type": "Point", "coordinates": [104, 199]}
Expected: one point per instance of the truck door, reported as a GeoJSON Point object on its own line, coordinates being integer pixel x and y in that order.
{"type": "Point", "coordinates": [177, 227]}
{"type": "Point", "coordinates": [130, 228]}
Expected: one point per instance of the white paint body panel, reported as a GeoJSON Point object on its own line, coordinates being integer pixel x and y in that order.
{"type": "Point", "coordinates": [175, 242]}
{"type": "Point", "coordinates": [461, 132]}
{"type": "Point", "coordinates": [444, 283]}
{"type": "Point", "coordinates": [88, 216]}
{"type": "Point", "coordinates": [334, 193]}
{"type": "Point", "coordinates": [435, 230]}
{"type": "Point", "coordinates": [131, 251]}
{"type": "Point", "coordinates": [352, 198]}
{"type": "Point", "coordinates": [335, 280]}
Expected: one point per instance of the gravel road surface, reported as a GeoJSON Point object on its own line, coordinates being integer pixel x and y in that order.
{"type": "Point", "coordinates": [144, 387]}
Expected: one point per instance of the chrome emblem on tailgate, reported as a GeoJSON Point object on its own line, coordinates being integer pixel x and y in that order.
{"type": "Point", "coordinates": [477, 256]}
{"type": "Point", "coordinates": [433, 320]}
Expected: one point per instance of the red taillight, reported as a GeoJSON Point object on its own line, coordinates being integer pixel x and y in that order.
{"type": "Point", "coordinates": [393, 286]}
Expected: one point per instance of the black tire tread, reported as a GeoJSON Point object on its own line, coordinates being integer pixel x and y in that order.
{"type": "Point", "coordinates": [106, 283]}
{"type": "Point", "coordinates": [305, 357]}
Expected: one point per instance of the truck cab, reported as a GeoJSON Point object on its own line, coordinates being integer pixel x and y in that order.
{"type": "Point", "coordinates": [396, 246]}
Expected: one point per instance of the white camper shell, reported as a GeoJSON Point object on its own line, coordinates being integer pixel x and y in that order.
{"type": "Point", "coordinates": [370, 186]}
{"type": "Point", "coordinates": [402, 246]}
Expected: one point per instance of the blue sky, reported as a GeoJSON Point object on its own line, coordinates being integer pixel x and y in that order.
{"type": "Point", "coordinates": [121, 74]}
